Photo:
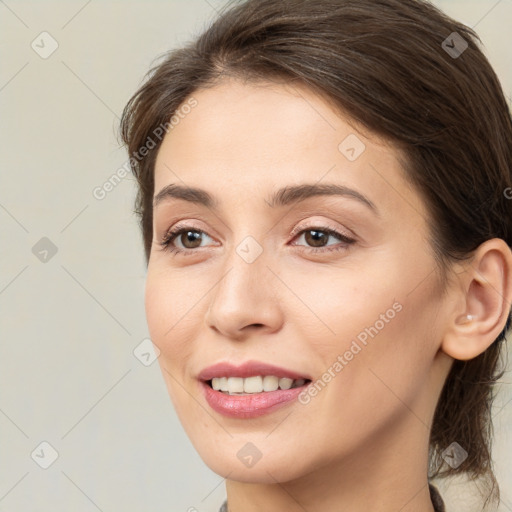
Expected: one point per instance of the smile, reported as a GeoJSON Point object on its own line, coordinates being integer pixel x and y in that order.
{"type": "Point", "coordinates": [251, 389]}
{"type": "Point", "coordinates": [251, 385]}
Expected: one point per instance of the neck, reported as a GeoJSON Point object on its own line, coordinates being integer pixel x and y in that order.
{"type": "Point", "coordinates": [384, 475]}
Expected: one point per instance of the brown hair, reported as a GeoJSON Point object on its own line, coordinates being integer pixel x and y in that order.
{"type": "Point", "coordinates": [396, 68]}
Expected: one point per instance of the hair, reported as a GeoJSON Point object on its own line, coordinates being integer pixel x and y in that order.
{"type": "Point", "coordinates": [386, 65]}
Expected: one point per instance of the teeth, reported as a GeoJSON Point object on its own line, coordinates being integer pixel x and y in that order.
{"type": "Point", "coordinates": [270, 383]}
{"type": "Point", "coordinates": [256, 384]}
{"type": "Point", "coordinates": [235, 385]}
{"type": "Point", "coordinates": [220, 384]}
{"type": "Point", "coordinates": [285, 383]}
{"type": "Point", "coordinates": [253, 384]}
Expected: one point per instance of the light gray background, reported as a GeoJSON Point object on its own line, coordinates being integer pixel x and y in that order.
{"type": "Point", "coordinates": [68, 375]}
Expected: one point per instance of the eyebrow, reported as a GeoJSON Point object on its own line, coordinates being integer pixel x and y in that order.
{"type": "Point", "coordinates": [283, 197]}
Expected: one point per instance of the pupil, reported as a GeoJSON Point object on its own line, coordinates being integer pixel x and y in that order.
{"type": "Point", "coordinates": [192, 236]}
{"type": "Point", "coordinates": [319, 236]}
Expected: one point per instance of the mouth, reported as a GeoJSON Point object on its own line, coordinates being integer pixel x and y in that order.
{"type": "Point", "coordinates": [251, 397]}
{"type": "Point", "coordinates": [251, 389]}
{"type": "Point", "coordinates": [254, 385]}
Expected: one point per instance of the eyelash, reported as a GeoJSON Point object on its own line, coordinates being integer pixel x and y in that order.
{"type": "Point", "coordinates": [178, 230]}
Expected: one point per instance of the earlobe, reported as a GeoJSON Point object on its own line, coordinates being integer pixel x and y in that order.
{"type": "Point", "coordinates": [486, 288]}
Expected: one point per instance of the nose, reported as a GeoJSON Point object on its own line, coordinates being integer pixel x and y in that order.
{"type": "Point", "coordinates": [245, 300]}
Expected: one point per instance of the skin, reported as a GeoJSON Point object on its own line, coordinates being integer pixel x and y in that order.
{"type": "Point", "coordinates": [363, 440]}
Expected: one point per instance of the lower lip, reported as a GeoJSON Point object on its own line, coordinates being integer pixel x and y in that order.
{"type": "Point", "coordinates": [249, 406]}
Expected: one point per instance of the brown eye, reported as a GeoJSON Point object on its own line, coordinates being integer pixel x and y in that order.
{"type": "Point", "coordinates": [187, 237]}
{"type": "Point", "coordinates": [316, 238]}
{"type": "Point", "coordinates": [183, 240]}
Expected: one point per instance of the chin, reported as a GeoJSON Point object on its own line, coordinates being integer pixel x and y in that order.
{"type": "Point", "coordinates": [234, 463]}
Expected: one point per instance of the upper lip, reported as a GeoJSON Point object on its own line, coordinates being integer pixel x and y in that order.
{"type": "Point", "coordinates": [247, 369]}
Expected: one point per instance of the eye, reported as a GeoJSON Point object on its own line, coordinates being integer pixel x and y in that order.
{"type": "Point", "coordinates": [187, 236]}
{"type": "Point", "coordinates": [318, 236]}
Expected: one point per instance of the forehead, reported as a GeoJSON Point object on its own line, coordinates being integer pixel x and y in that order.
{"type": "Point", "coordinates": [247, 139]}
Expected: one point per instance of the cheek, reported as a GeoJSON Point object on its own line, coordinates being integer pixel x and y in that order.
{"type": "Point", "coordinates": [158, 308]}
{"type": "Point", "coordinates": [379, 341]}
{"type": "Point", "coordinates": [169, 318]}
{"type": "Point", "coordinates": [172, 319]}
{"type": "Point", "coordinates": [339, 306]}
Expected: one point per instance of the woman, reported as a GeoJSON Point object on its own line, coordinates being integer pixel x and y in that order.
{"type": "Point", "coordinates": [324, 196]}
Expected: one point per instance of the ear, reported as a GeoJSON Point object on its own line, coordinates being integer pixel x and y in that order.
{"type": "Point", "coordinates": [483, 303]}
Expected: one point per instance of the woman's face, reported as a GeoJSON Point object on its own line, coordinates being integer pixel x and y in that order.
{"type": "Point", "coordinates": [260, 283]}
